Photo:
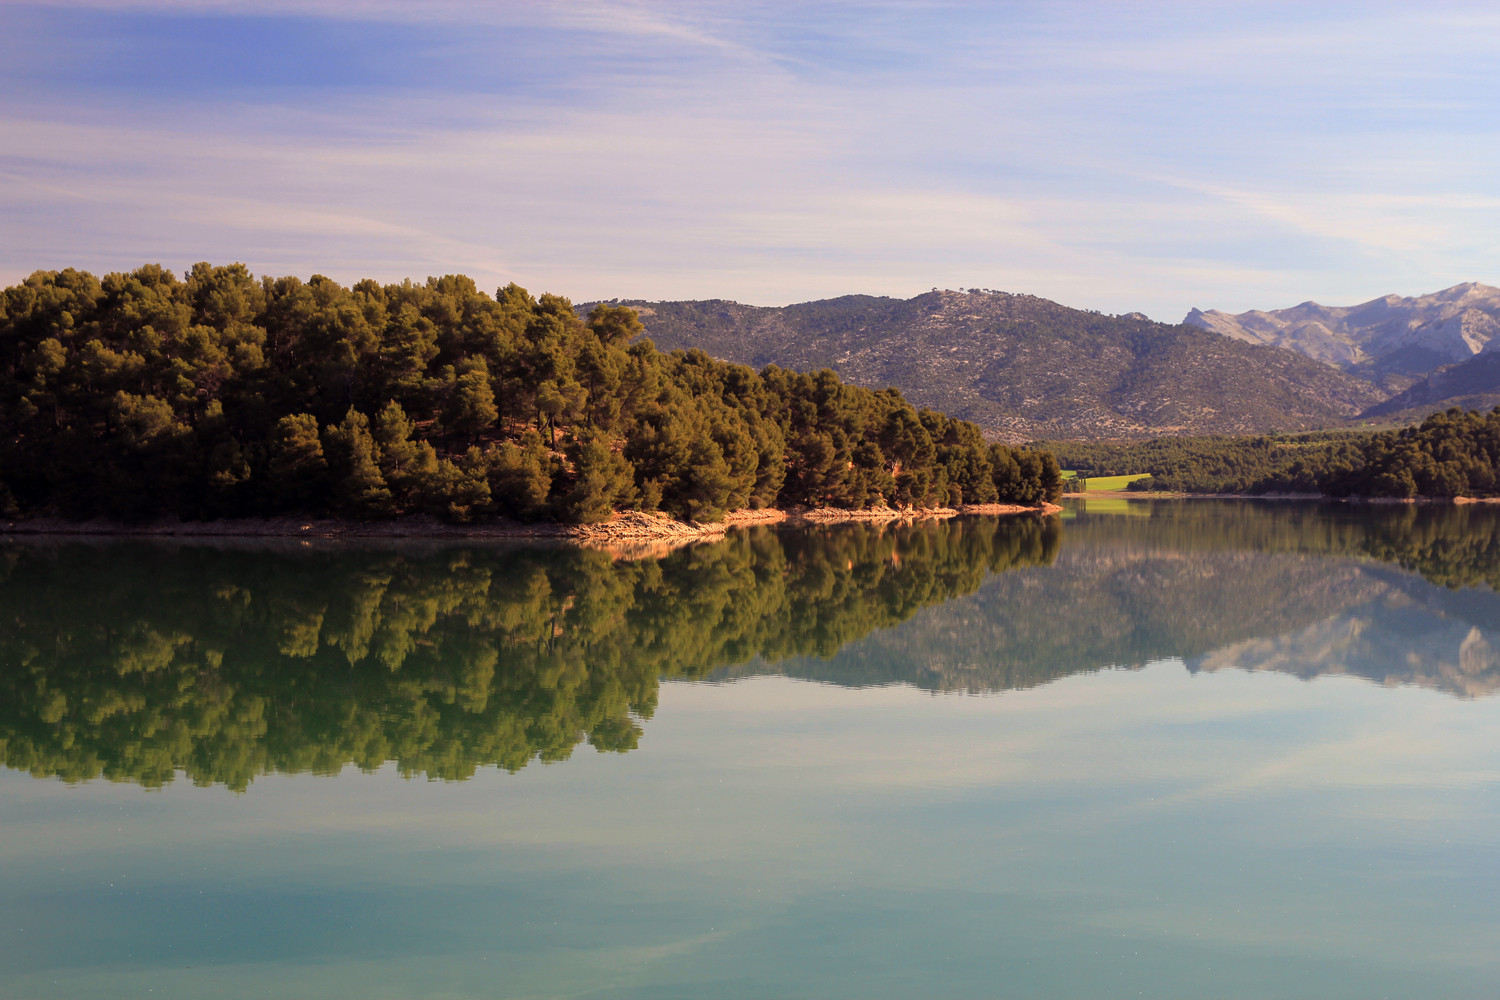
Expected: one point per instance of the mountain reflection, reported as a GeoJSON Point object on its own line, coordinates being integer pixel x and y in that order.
{"type": "Point", "coordinates": [1307, 589]}
{"type": "Point", "coordinates": [138, 660]}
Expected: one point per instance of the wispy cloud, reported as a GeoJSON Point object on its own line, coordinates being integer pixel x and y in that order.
{"type": "Point", "coordinates": [1150, 156]}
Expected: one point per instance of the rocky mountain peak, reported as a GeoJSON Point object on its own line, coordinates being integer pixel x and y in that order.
{"type": "Point", "coordinates": [1388, 336]}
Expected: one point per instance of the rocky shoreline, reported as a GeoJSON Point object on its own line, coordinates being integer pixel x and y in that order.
{"type": "Point", "coordinates": [625, 528]}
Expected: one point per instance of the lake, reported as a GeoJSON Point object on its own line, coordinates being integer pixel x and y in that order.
{"type": "Point", "coordinates": [1145, 748]}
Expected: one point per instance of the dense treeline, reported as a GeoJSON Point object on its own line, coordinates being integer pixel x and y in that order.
{"type": "Point", "coordinates": [1290, 463]}
{"type": "Point", "coordinates": [226, 663]}
{"type": "Point", "coordinates": [1450, 454]}
{"type": "Point", "coordinates": [141, 395]}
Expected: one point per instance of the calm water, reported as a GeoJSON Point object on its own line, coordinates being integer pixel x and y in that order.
{"type": "Point", "coordinates": [1146, 749]}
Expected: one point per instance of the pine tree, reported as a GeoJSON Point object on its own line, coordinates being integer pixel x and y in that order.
{"type": "Point", "coordinates": [298, 470]}
{"type": "Point", "coordinates": [705, 486]}
{"type": "Point", "coordinates": [359, 489]}
{"type": "Point", "coordinates": [395, 451]}
{"type": "Point", "coordinates": [520, 476]}
{"type": "Point", "coordinates": [602, 480]}
{"type": "Point", "coordinates": [471, 406]}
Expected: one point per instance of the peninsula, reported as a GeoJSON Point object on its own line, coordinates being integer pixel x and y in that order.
{"type": "Point", "coordinates": [140, 398]}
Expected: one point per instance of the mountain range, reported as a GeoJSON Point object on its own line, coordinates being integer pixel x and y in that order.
{"type": "Point", "coordinates": [1473, 385]}
{"type": "Point", "coordinates": [1431, 351]}
{"type": "Point", "coordinates": [1383, 339]}
{"type": "Point", "coordinates": [1024, 367]}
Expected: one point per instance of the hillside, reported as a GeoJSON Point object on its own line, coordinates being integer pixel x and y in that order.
{"type": "Point", "coordinates": [1391, 340]}
{"type": "Point", "coordinates": [1025, 367]}
{"type": "Point", "coordinates": [1473, 385]}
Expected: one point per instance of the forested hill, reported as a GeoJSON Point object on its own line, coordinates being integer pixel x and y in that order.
{"type": "Point", "coordinates": [141, 395]}
{"type": "Point", "coordinates": [1024, 367]}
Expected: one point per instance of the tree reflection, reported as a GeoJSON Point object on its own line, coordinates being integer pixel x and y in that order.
{"type": "Point", "coordinates": [134, 661]}
{"type": "Point", "coordinates": [137, 661]}
{"type": "Point", "coordinates": [1304, 589]}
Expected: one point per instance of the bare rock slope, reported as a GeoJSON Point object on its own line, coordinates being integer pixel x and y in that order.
{"type": "Point", "coordinates": [1024, 367]}
{"type": "Point", "coordinates": [1472, 385]}
{"type": "Point", "coordinates": [1391, 340]}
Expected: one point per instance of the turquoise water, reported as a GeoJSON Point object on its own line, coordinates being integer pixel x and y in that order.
{"type": "Point", "coordinates": [1186, 750]}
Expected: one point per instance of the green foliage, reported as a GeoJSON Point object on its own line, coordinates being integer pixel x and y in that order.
{"type": "Point", "coordinates": [520, 476]}
{"type": "Point", "coordinates": [359, 488]}
{"type": "Point", "coordinates": [144, 396]}
{"type": "Point", "coordinates": [602, 480]}
{"type": "Point", "coordinates": [1261, 464]}
{"type": "Point", "coordinates": [471, 408]}
{"type": "Point", "coordinates": [298, 469]}
{"type": "Point", "coordinates": [1450, 454]}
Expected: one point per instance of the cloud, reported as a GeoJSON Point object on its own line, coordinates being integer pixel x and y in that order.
{"type": "Point", "coordinates": [1228, 156]}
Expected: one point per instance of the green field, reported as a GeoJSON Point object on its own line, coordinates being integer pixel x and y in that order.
{"type": "Point", "coordinates": [1107, 483]}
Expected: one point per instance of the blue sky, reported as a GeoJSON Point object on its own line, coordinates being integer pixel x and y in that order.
{"type": "Point", "coordinates": [1115, 156]}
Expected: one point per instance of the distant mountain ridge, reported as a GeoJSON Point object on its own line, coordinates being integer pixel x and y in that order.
{"type": "Point", "coordinates": [1390, 340]}
{"type": "Point", "coordinates": [1024, 367]}
{"type": "Point", "coordinates": [1472, 385]}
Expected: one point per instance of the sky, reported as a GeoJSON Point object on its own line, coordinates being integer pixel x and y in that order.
{"type": "Point", "coordinates": [1119, 156]}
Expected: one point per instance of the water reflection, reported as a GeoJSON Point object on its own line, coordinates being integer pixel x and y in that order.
{"type": "Point", "coordinates": [1397, 595]}
{"type": "Point", "coordinates": [136, 661]}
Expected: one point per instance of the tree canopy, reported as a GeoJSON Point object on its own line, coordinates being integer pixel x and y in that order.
{"type": "Point", "coordinates": [1451, 454]}
{"type": "Point", "coordinates": [143, 395]}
